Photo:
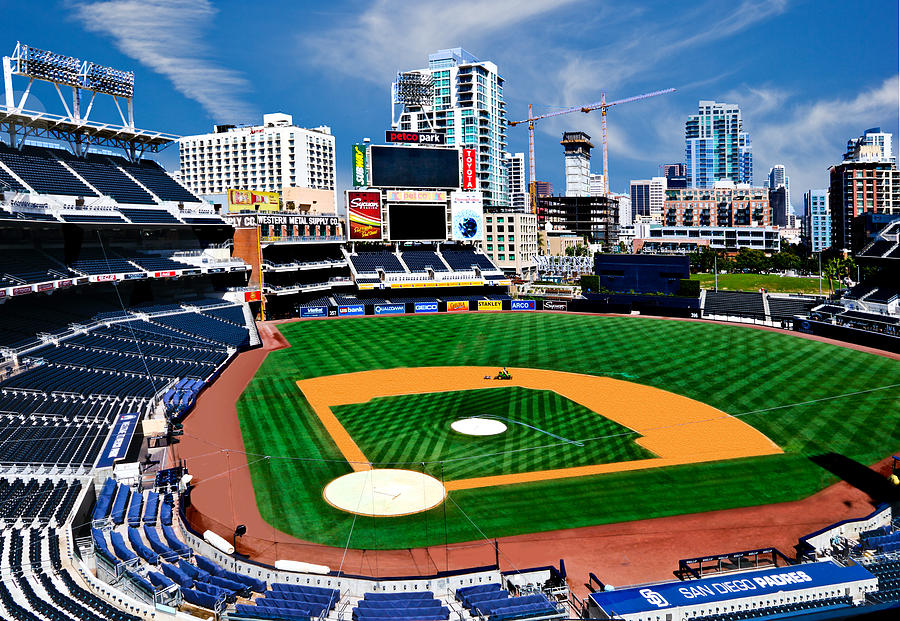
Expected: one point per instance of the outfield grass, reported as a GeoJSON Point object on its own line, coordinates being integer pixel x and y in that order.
{"type": "Point", "coordinates": [383, 427]}
{"type": "Point", "coordinates": [741, 371]}
{"type": "Point", "coordinates": [754, 282]}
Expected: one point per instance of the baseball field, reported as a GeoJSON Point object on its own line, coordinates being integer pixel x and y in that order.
{"type": "Point", "coordinates": [629, 418]}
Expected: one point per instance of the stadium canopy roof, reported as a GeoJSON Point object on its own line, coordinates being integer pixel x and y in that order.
{"type": "Point", "coordinates": [45, 125]}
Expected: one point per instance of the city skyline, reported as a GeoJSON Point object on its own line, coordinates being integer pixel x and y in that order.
{"type": "Point", "coordinates": [802, 97]}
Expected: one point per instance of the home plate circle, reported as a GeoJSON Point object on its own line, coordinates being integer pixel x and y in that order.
{"type": "Point", "coordinates": [478, 426]}
{"type": "Point", "coordinates": [384, 492]}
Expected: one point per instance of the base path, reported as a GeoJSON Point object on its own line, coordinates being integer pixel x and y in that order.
{"type": "Point", "coordinates": [625, 553]}
{"type": "Point", "coordinates": [678, 430]}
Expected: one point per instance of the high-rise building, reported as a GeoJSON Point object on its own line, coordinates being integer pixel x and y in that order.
{"type": "Point", "coordinates": [625, 216]}
{"type": "Point", "coordinates": [511, 240]}
{"type": "Point", "coordinates": [516, 182]}
{"type": "Point", "coordinates": [577, 147]}
{"type": "Point", "coordinates": [267, 157]}
{"type": "Point", "coordinates": [648, 198]}
{"type": "Point", "coordinates": [727, 204]}
{"type": "Point", "coordinates": [867, 181]}
{"type": "Point", "coordinates": [873, 146]}
{"type": "Point", "coordinates": [543, 188]}
{"type": "Point", "coordinates": [816, 226]}
{"type": "Point", "coordinates": [778, 179]}
{"type": "Point", "coordinates": [468, 108]}
{"type": "Point", "coordinates": [779, 206]}
{"type": "Point", "coordinates": [716, 146]}
{"type": "Point", "coordinates": [592, 217]}
{"type": "Point", "coordinates": [676, 175]}
{"type": "Point", "coordinates": [596, 185]}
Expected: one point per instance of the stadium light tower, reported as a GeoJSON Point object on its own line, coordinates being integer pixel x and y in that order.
{"type": "Point", "coordinates": [413, 89]}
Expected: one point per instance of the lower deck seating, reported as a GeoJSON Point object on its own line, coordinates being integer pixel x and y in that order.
{"type": "Point", "coordinates": [405, 606]}
{"type": "Point", "coordinates": [735, 303]}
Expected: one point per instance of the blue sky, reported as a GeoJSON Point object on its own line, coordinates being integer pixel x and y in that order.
{"type": "Point", "coordinates": [807, 74]}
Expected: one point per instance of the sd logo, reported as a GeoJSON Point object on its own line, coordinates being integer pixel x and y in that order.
{"type": "Point", "coordinates": [654, 598]}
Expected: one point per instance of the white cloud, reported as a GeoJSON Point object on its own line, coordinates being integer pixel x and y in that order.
{"type": "Point", "coordinates": [390, 35]}
{"type": "Point", "coordinates": [167, 37]}
{"type": "Point", "coordinates": [808, 137]}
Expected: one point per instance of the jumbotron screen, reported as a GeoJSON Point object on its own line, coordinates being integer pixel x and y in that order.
{"type": "Point", "coordinates": [417, 222]}
{"type": "Point", "coordinates": [414, 167]}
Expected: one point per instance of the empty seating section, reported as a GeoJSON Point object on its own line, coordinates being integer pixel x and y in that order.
{"type": "Point", "coordinates": [158, 263]}
{"type": "Point", "coordinates": [43, 173]}
{"type": "Point", "coordinates": [419, 260]}
{"type": "Point", "coordinates": [883, 295]}
{"type": "Point", "coordinates": [887, 570]}
{"type": "Point", "coordinates": [89, 218]}
{"type": "Point", "coordinates": [734, 303]}
{"type": "Point", "coordinates": [462, 260]}
{"type": "Point", "coordinates": [36, 587]}
{"type": "Point", "coordinates": [155, 179]}
{"type": "Point", "coordinates": [96, 261]}
{"type": "Point", "coordinates": [110, 181]}
{"type": "Point", "coordinates": [149, 216]}
{"type": "Point", "coordinates": [860, 291]}
{"type": "Point", "coordinates": [495, 603]}
{"type": "Point", "coordinates": [322, 302]}
{"type": "Point", "coordinates": [207, 328]}
{"type": "Point", "coordinates": [788, 307]}
{"type": "Point", "coordinates": [88, 358]}
{"type": "Point", "coordinates": [28, 266]}
{"type": "Point", "coordinates": [37, 499]}
{"type": "Point", "coordinates": [878, 248]}
{"type": "Point", "coordinates": [404, 606]}
{"type": "Point", "coordinates": [8, 182]}
{"type": "Point", "coordinates": [371, 262]}
{"type": "Point", "coordinates": [782, 611]}
{"type": "Point", "coordinates": [292, 601]}
{"type": "Point", "coordinates": [60, 378]}
{"type": "Point", "coordinates": [231, 314]}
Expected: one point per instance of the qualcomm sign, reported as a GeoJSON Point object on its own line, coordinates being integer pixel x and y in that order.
{"type": "Point", "coordinates": [389, 309]}
{"type": "Point", "coordinates": [426, 307]}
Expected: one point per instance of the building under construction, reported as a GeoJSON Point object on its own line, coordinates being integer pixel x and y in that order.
{"type": "Point", "coordinates": [593, 217]}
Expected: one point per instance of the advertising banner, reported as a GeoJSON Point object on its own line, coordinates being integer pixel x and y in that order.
{"type": "Point", "coordinates": [469, 176]}
{"type": "Point", "coordinates": [45, 286]}
{"type": "Point", "coordinates": [490, 305]}
{"type": "Point", "coordinates": [252, 296]}
{"type": "Point", "coordinates": [246, 221]}
{"type": "Point", "coordinates": [457, 305]}
{"type": "Point", "coordinates": [521, 305]}
{"type": "Point", "coordinates": [389, 309]}
{"type": "Point", "coordinates": [63, 283]}
{"type": "Point", "coordinates": [364, 213]}
{"type": "Point", "coordinates": [277, 227]}
{"type": "Point", "coordinates": [104, 278]}
{"type": "Point", "coordinates": [467, 216]}
{"type": "Point", "coordinates": [360, 174]}
{"type": "Point", "coordinates": [349, 311]}
{"type": "Point", "coordinates": [313, 311]}
{"type": "Point", "coordinates": [426, 307]}
{"type": "Point", "coordinates": [413, 137]}
{"type": "Point", "coordinates": [243, 200]}
{"type": "Point", "coordinates": [416, 196]}
{"type": "Point", "coordinates": [119, 440]}
{"type": "Point", "coordinates": [166, 274]}
{"type": "Point", "coordinates": [135, 276]}
{"type": "Point", "coordinates": [556, 305]}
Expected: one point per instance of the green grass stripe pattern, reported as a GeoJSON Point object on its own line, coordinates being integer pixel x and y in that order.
{"type": "Point", "coordinates": [735, 369]}
{"type": "Point", "coordinates": [383, 427]}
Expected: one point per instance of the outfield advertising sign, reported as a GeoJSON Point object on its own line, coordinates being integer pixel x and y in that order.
{"type": "Point", "coordinates": [490, 305]}
{"type": "Point", "coordinates": [360, 174]}
{"type": "Point", "coordinates": [364, 213]}
{"type": "Point", "coordinates": [457, 305]}
{"type": "Point", "coordinates": [349, 311]}
{"type": "Point", "coordinates": [521, 305]}
{"type": "Point", "coordinates": [556, 305]}
{"type": "Point", "coordinates": [313, 311]}
{"type": "Point", "coordinates": [426, 307]}
{"type": "Point", "coordinates": [244, 200]}
{"type": "Point", "coordinates": [389, 309]}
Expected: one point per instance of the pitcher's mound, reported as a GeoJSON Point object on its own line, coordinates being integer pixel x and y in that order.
{"type": "Point", "coordinates": [384, 492]}
{"type": "Point", "coordinates": [478, 426]}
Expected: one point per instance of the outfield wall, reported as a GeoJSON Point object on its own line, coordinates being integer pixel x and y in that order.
{"type": "Point", "coordinates": [848, 334]}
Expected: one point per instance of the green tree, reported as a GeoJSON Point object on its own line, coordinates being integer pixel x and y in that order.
{"type": "Point", "coordinates": [751, 260]}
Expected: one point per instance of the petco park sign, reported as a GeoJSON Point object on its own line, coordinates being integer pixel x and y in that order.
{"type": "Point", "coordinates": [413, 137]}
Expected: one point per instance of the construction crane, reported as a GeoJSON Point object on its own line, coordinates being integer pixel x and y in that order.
{"type": "Point", "coordinates": [601, 105]}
